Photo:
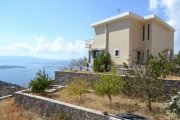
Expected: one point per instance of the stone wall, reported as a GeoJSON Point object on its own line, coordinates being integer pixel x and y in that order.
{"type": "Point", "coordinates": [64, 78]}
{"type": "Point", "coordinates": [8, 88]}
{"type": "Point", "coordinates": [49, 107]}
{"type": "Point", "coordinates": [171, 86]}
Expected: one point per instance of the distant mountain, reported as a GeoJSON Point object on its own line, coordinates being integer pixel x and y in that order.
{"type": "Point", "coordinates": [30, 60]}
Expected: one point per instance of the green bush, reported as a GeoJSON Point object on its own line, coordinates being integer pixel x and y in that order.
{"type": "Point", "coordinates": [77, 87]}
{"type": "Point", "coordinates": [102, 63]}
{"type": "Point", "coordinates": [40, 82]}
{"type": "Point", "coordinates": [108, 85]}
{"type": "Point", "coordinates": [176, 65]}
{"type": "Point", "coordinates": [177, 58]}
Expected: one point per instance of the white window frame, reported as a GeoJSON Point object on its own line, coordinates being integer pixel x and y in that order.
{"type": "Point", "coordinates": [115, 53]}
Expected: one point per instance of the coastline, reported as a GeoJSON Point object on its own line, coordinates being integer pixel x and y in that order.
{"type": "Point", "coordinates": [10, 67]}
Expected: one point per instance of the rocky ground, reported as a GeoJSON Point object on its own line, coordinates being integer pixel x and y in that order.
{"type": "Point", "coordinates": [8, 88]}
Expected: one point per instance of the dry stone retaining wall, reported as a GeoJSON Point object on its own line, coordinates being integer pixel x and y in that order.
{"type": "Point", "coordinates": [64, 78]}
{"type": "Point", "coordinates": [8, 88]}
{"type": "Point", "coordinates": [49, 107]}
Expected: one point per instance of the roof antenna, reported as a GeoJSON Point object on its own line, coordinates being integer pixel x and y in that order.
{"type": "Point", "coordinates": [118, 11]}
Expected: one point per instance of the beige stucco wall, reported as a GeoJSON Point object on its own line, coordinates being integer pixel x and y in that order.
{"type": "Point", "coordinates": [137, 42]}
{"type": "Point", "coordinates": [119, 39]}
{"type": "Point", "coordinates": [162, 38]}
{"type": "Point", "coordinates": [100, 37]}
{"type": "Point", "coordinates": [126, 35]}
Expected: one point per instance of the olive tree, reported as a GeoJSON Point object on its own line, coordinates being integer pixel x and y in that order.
{"type": "Point", "coordinates": [108, 85]}
{"type": "Point", "coordinates": [152, 76]}
{"type": "Point", "coordinates": [78, 87]}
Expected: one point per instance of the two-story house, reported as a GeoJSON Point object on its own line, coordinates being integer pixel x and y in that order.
{"type": "Point", "coordinates": [129, 38]}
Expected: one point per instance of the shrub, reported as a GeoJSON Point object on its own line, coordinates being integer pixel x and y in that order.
{"type": "Point", "coordinates": [40, 82]}
{"type": "Point", "coordinates": [173, 106]}
{"type": "Point", "coordinates": [177, 59]}
{"type": "Point", "coordinates": [108, 85]}
{"type": "Point", "coordinates": [176, 65]}
{"type": "Point", "coordinates": [113, 68]}
{"type": "Point", "coordinates": [77, 87]}
{"type": "Point", "coordinates": [102, 62]}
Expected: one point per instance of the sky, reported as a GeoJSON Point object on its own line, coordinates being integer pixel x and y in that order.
{"type": "Point", "coordinates": [57, 29]}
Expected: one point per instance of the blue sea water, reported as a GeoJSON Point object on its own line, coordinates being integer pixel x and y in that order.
{"type": "Point", "coordinates": [22, 76]}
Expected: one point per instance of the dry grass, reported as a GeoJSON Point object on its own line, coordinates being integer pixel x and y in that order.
{"type": "Point", "coordinates": [9, 111]}
{"type": "Point", "coordinates": [121, 104]}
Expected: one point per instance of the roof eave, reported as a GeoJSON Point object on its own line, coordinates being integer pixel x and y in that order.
{"type": "Point", "coordinates": [156, 18]}
{"type": "Point", "coordinates": [117, 17]}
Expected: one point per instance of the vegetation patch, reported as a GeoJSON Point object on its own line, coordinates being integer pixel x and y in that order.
{"type": "Point", "coordinates": [40, 82]}
{"type": "Point", "coordinates": [9, 111]}
{"type": "Point", "coordinates": [102, 62]}
{"type": "Point", "coordinates": [121, 104]}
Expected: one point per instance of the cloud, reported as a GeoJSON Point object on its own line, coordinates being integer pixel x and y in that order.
{"type": "Point", "coordinates": [41, 47]}
{"type": "Point", "coordinates": [153, 4]}
{"type": "Point", "coordinates": [171, 10]}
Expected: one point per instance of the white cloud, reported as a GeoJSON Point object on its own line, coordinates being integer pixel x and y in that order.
{"type": "Point", "coordinates": [40, 47]}
{"type": "Point", "coordinates": [153, 4]}
{"type": "Point", "coordinates": [171, 9]}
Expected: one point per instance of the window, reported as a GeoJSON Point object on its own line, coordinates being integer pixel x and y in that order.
{"type": "Point", "coordinates": [143, 32]}
{"type": "Point", "coordinates": [95, 53]}
{"type": "Point", "coordinates": [117, 53]}
{"type": "Point", "coordinates": [148, 31]}
{"type": "Point", "coordinates": [138, 57]}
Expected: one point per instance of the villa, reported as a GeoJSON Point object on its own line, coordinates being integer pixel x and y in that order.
{"type": "Point", "coordinates": [129, 38]}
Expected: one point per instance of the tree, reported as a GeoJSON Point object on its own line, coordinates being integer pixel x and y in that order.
{"type": "Point", "coordinates": [102, 62]}
{"type": "Point", "coordinates": [40, 82]}
{"type": "Point", "coordinates": [176, 65]}
{"type": "Point", "coordinates": [108, 85]}
{"type": "Point", "coordinates": [152, 76]}
{"type": "Point", "coordinates": [178, 59]}
{"type": "Point", "coordinates": [77, 87]}
{"type": "Point", "coordinates": [79, 62]}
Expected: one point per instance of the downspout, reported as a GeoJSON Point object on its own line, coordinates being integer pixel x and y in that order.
{"type": "Point", "coordinates": [107, 39]}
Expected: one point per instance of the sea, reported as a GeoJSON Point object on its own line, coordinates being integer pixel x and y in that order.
{"type": "Point", "coordinates": [21, 73]}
